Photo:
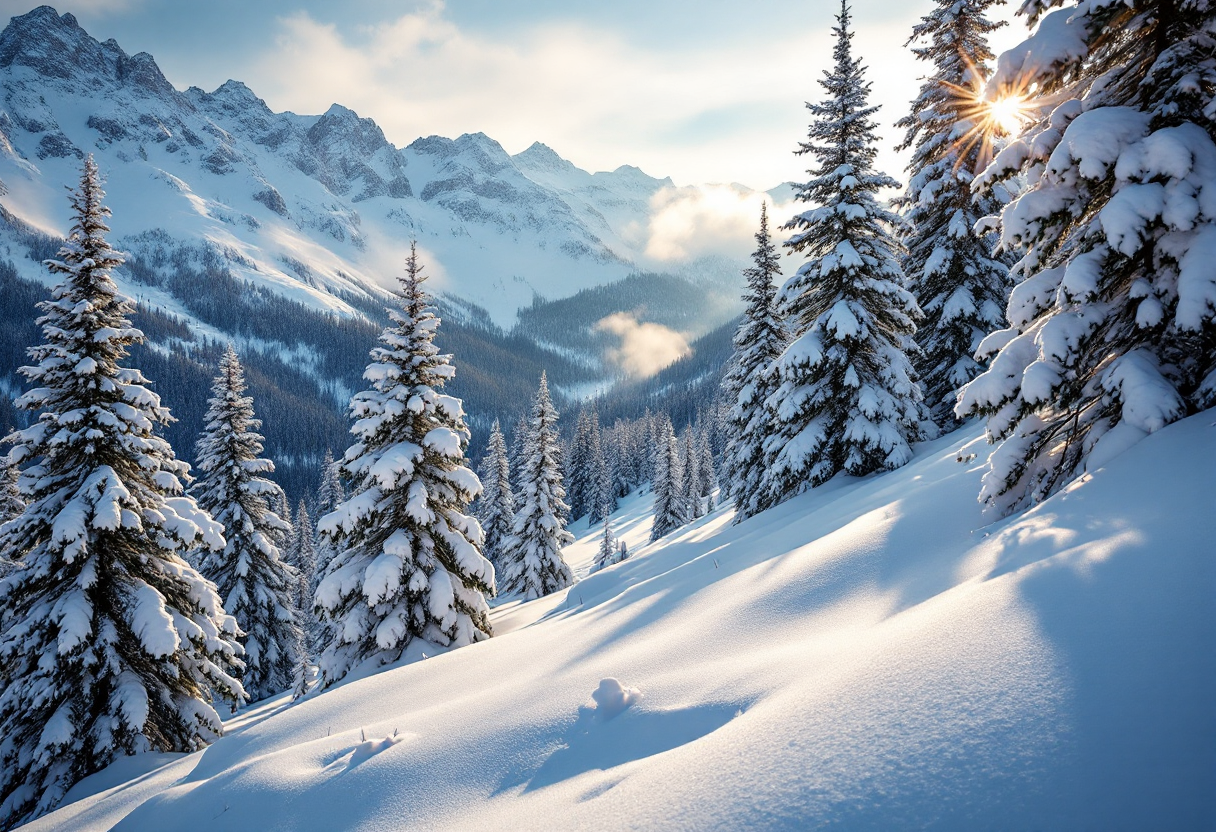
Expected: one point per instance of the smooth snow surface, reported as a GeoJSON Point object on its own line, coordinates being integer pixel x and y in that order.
{"type": "Point", "coordinates": [868, 656]}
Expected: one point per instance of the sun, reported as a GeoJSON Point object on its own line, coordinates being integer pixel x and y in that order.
{"type": "Point", "coordinates": [1007, 114]}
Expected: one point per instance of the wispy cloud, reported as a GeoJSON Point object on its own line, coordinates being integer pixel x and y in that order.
{"type": "Point", "coordinates": [600, 100]}
{"type": "Point", "coordinates": [690, 222]}
{"type": "Point", "coordinates": [645, 348]}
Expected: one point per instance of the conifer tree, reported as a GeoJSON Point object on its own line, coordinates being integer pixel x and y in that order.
{"type": "Point", "coordinates": [580, 478]}
{"type": "Point", "coordinates": [304, 559]}
{"type": "Point", "coordinates": [112, 643]}
{"type": "Point", "coordinates": [750, 379]}
{"type": "Point", "coordinates": [496, 506]}
{"type": "Point", "coordinates": [708, 479]}
{"type": "Point", "coordinates": [690, 483]}
{"type": "Point", "coordinates": [533, 562]}
{"type": "Point", "coordinates": [330, 495]}
{"type": "Point", "coordinates": [959, 284]}
{"type": "Point", "coordinates": [286, 532]}
{"type": "Point", "coordinates": [600, 496]}
{"type": "Point", "coordinates": [408, 563]}
{"type": "Point", "coordinates": [848, 400]}
{"type": "Point", "coordinates": [670, 510]}
{"type": "Point", "coordinates": [519, 445]}
{"type": "Point", "coordinates": [608, 552]}
{"type": "Point", "coordinates": [257, 586]}
{"type": "Point", "coordinates": [1112, 329]}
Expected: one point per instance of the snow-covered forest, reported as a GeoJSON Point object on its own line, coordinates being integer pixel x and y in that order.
{"type": "Point", "coordinates": [913, 532]}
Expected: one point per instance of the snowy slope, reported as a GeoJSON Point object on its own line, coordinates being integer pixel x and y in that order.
{"type": "Point", "coordinates": [310, 206]}
{"type": "Point", "coordinates": [867, 656]}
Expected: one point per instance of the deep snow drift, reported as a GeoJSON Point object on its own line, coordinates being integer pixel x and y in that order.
{"type": "Point", "coordinates": [868, 656]}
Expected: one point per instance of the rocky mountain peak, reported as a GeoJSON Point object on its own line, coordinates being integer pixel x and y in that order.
{"type": "Point", "coordinates": [55, 46]}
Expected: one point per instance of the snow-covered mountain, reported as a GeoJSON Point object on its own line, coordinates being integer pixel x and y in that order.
{"type": "Point", "coordinates": [310, 206]}
{"type": "Point", "coordinates": [871, 655]}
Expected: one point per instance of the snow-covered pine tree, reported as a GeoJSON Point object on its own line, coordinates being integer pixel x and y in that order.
{"type": "Point", "coordinates": [690, 483]}
{"type": "Point", "coordinates": [408, 563]}
{"type": "Point", "coordinates": [1112, 330]}
{"type": "Point", "coordinates": [257, 586]}
{"type": "Point", "coordinates": [607, 553]}
{"type": "Point", "coordinates": [496, 505]}
{"type": "Point", "coordinates": [112, 643]}
{"type": "Point", "coordinates": [670, 510]}
{"type": "Point", "coordinates": [282, 509]}
{"type": "Point", "coordinates": [708, 479]}
{"type": "Point", "coordinates": [848, 400]}
{"type": "Point", "coordinates": [519, 445]}
{"type": "Point", "coordinates": [302, 673]}
{"type": "Point", "coordinates": [533, 564]}
{"type": "Point", "coordinates": [959, 284]}
{"type": "Point", "coordinates": [304, 559]}
{"type": "Point", "coordinates": [748, 383]}
{"type": "Point", "coordinates": [580, 478]}
{"type": "Point", "coordinates": [330, 495]}
{"type": "Point", "coordinates": [600, 496]}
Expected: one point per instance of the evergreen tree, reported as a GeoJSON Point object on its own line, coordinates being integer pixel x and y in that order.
{"type": "Point", "coordinates": [304, 559]}
{"type": "Point", "coordinates": [960, 286]}
{"type": "Point", "coordinates": [286, 531]}
{"type": "Point", "coordinates": [690, 483]}
{"type": "Point", "coordinates": [496, 506]}
{"type": "Point", "coordinates": [580, 479]}
{"type": "Point", "coordinates": [600, 497]}
{"type": "Point", "coordinates": [749, 382]}
{"type": "Point", "coordinates": [607, 554]}
{"type": "Point", "coordinates": [848, 399]}
{"type": "Point", "coordinates": [302, 674]}
{"type": "Point", "coordinates": [708, 480]}
{"type": "Point", "coordinates": [533, 563]}
{"type": "Point", "coordinates": [258, 587]}
{"type": "Point", "coordinates": [519, 446]}
{"type": "Point", "coordinates": [669, 506]}
{"type": "Point", "coordinates": [408, 563]}
{"type": "Point", "coordinates": [1112, 330]}
{"type": "Point", "coordinates": [112, 643]}
{"type": "Point", "coordinates": [330, 495]}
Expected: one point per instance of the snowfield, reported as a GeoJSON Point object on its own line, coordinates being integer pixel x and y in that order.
{"type": "Point", "coordinates": [875, 655]}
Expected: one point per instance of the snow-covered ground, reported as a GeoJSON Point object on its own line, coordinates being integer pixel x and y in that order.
{"type": "Point", "coordinates": [873, 655]}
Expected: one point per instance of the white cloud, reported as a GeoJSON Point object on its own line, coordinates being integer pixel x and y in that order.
{"type": "Point", "coordinates": [645, 348]}
{"type": "Point", "coordinates": [690, 222]}
{"type": "Point", "coordinates": [589, 94]}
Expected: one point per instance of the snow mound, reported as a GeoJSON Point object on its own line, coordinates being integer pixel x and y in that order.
{"type": "Point", "coordinates": [611, 697]}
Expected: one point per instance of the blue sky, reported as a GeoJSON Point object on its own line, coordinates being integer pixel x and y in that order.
{"type": "Point", "coordinates": [707, 91]}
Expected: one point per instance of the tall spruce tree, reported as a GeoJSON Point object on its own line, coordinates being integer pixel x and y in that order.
{"type": "Point", "coordinates": [690, 483]}
{"type": "Point", "coordinates": [848, 400]}
{"type": "Point", "coordinates": [580, 480]}
{"type": "Point", "coordinates": [959, 284]}
{"type": "Point", "coordinates": [533, 554]}
{"type": "Point", "coordinates": [408, 563]}
{"type": "Point", "coordinates": [330, 495]}
{"type": "Point", "coordinates": [600, 496]}
{"type": "Point", "coordinates": [257, 585]}
{"type": "Point", "coordinates": [304, 559]}
{"type": "Point", "coordinates": [1112, 329]}
{"type": "Point", "coordinates": [112, 643]}
{"type": "Point", "coordinates": [670, 509]}
{"type": "Point", "coordinates": [608, 551]}
{"type": "Point", "coordinates": [496, 506]}
{"type": "Point", "coordinates": [708, 478]}
{"type": "Point", "coordinates": [751, 379]}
